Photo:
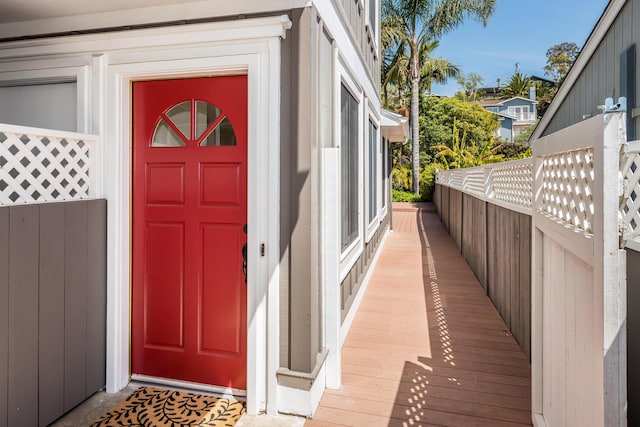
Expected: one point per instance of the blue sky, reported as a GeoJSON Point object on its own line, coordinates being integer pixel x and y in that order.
{"type": "Point", "coordinates": [518, 32]}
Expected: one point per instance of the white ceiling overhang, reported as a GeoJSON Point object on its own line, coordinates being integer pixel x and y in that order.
{"type": "Point", "coordinates": [395, 128]}
{"type": "Point", "coordinates": [26, 18]}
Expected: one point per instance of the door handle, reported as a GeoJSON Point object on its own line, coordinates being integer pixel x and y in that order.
{"type": "Point", "coordinates": [244, 256]}
{"type": "Point", "coordinates": [244, 261]}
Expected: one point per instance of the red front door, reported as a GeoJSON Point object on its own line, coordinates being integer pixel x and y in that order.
{"type": "Point", "coordinates": [189, 214]}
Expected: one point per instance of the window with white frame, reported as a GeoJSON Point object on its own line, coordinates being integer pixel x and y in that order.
{"type": "Point", "coordinates": [349, 167]}
{"type": "Point", "coordinates": [385, 173]}
{"type": "Point", "coordinates": [520, 112]}
{"type": "Point", "coordinates": [373, 14]}
{"type": "Point", "coordinates": [373, 171]}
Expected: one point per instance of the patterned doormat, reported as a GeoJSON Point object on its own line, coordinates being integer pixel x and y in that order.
{"type": "Point", "coordinates": [151, 407]}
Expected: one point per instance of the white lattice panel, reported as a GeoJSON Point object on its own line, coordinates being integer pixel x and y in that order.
{"type": "Point", "coordinates": [36, 168]}
{"type": "Point", "coordinates": [456, 178]}
{"type": "Point", "coordinates": [473, 181]}
{"type": "Point", "coordinates": [512, 183]}
{"type": "Point", "coordinates": [567, 188]}
{"type": "Point", "coordinates": [630, 206]}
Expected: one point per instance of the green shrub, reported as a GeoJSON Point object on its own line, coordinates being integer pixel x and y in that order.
{"type": "Point", "coordinates": [428, 180]}
{"type": "Point", "coordinates": [405, 196]}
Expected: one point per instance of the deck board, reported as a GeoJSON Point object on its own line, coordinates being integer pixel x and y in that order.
{"type": "Point", "coordinates": [427, 346]}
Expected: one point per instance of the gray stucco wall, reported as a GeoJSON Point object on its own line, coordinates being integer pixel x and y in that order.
{"type": "Point", "coordinates": [601, 78]}
{"type": "Point", "coordinates": [52, 309]}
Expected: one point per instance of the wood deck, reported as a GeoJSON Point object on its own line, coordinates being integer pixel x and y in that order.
{"type": "Point", "coordinates": [427, 347]}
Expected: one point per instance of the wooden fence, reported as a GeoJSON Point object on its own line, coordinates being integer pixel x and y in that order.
{"type": "Point", "coordinates": [52, 274]}
{"type": "Point", "coordinates": [494, 235]}
{"type": "Point", "coordinates": [546, 237]}
{"type": "Point", "coordinates": [52, 309]}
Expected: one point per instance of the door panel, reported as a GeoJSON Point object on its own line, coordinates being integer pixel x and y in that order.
{"type": "Point", "coordinates": [189, 211]}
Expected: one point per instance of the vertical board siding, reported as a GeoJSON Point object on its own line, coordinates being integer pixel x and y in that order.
{"type": "Point", "coordinates": [455, 216]}
{"type": "Point", "coordinates": [4, 315]}
{"type": "Point", "coordinates": [52, 309]}
{"type": "Point", "coordinates": [23, 316]}
{"type": "Point", "coordinates": [633, 337]}
{"type": "Point", "coordinates": [75, 303]}
{"type": "Point", "coordinates": [496, 243]}
{"type": "Point", "coordinates": [356, 20]}
{"type": "Point", "coordinates": [474, 236]}
{"type": "Point", "coordinates": [51, 317]}
{"type": "Point", "coordinates": [353, 280]}
{"type": "Point", "coordinates": [600, 78]}
{"type": "Point", "coordinates": [96, 308]}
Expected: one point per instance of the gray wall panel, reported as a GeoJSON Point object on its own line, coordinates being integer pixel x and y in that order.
{"type": "Point", "coordinates": [96, 309]}
{"type": "Point", "coordinates": [474, 236]}
{"type": "Point", "coordinates": [302, 328]}
{"type": "Point", "coordinates": [52, 311]}
{"type": "Point", "coordinates": [51, 317]}
{"type": "Point", "coordinates": [23, 316]}
{"type": "Point", "coordinates": [75, 295]}
{"type": "Point", "coordinates": [601, 76]}
{"type": "Point", "coordinates": [633, 337]}
{"type": "Point", "coordinates": [4, 313]}
{"type": "Point", "coordinates": [286, 132]}
{"type": "Point", "coordinates": [352, 282]}
{"type": "Point", "coordinates": [455, 216]}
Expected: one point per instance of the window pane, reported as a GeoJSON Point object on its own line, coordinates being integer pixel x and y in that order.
{"type": "Point", "coordinates": [180, 115]}
{"type": "Point", "coordinates": [205, 115]}
{"type": "Point", "coordinates": [223, 134]}
{"type": "Point", "coordinates": [385, 172]}
{"type": "Point", "coordinates": [373, 171]}
{"type": "Point", "coordinates": [165, 136]}
{"type": "Point", "coordinates": [373, 11]}
{"type": "Point", "coordinates": [349, 167]}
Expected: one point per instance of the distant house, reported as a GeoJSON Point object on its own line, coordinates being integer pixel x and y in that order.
{"type": "Point", "coordinates": [515, 114]}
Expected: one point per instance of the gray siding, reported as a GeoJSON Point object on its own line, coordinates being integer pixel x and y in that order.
{"type": "Point", "coordinates": [353, 280]}
{"type": "Point", "coordinates": [633, 337]}
{"type": "Point", "coordinates": [496, 243]}
{"type": "Point", "coordinates": [52, 309]}
{"type": "Point", "coordinates": [601, 77]}
{"type": "Point", "coordinates": [509, 270]}
{"type": "Point", "coordinates": [357, 19]}
{"type": "Point", "coordinates": [304, 102]}
{"type": "Point", "coordinates": [474, 238]}
{"type": "Point", "coordinates": [299, 285]}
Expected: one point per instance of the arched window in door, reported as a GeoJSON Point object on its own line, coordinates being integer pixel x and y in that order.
{"type": "Point", "coordinates": [193, 123]}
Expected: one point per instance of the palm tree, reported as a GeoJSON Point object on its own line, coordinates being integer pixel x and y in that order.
{"type": "Point", "coordinates": [418, 22]}
{"type": "Point", "coordinates": [518, 85]}
{"type": "Point", "coordinates": [396, 71]}
{"type": "Point", "coordinates": [434, 70]}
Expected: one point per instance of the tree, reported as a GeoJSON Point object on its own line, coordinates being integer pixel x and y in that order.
{"type": "Point", "coordinates": [396, 73]}
{"type": "Point", "coordinates": [560, 57]}
{"type": "Point", "coordinates": [417, 23]}
{"type": "Point", "coordinates": [464, 153]}
{"type": "Point", "coordinates": [439, 114]}
{"type": "Point", "coordinates": [470, 83]}
{"type": "Point", "coordinates": [518, 85]}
